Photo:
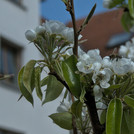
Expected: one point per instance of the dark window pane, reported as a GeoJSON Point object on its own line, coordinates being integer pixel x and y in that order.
{"type": "Point", "coordinates": [9, 55]}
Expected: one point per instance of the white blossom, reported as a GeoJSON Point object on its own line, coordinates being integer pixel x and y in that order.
{"type": "Point", "coordinates": [30, 35]}
{"type": "Point", "coordinates": [90, 61]}
{"type": "Point", "coordinates": [94, 55]}
{"type": "Point", "coordinates": [80, 51]}
{"type": "Point", "coordinates": [96, 89]}
{"type": "Point", "coordinates": [132, 70]}
{"type": "Point", "coordinates": [64, 107]}
{"type": "Point", "coordinates": [101, 105]}
{"type": "Point", "coordinates": [96, 66]}
{"type": "Point", "coordinates": [106, 62]}
{"type": "Point", "coordinates": [82, 67]}
{"type": "Point", "coordinates": [40, 29]}
{"type": "Point", "coordinates": [97, 92]}
{"type": "Point", "coordinates": [54, 27]}
{"type": "Point", "coordinates": [68, 33]}
{"type": "Point", "coordinates": [122, 66]}
{"type": "Point", "coordinates": [127, 50]}
{"type": "Point", "coordinates": [123, 51]}
{"type": "Point", "coordinates": [103, 77]}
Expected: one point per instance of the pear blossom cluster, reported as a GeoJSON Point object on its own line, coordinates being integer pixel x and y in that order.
{"type": "Point", "coordinates": [127, 50]}
{"type": "Point", "coordinates": [51, 27]}
{"type": "Point", "coordinates": [104, 70]}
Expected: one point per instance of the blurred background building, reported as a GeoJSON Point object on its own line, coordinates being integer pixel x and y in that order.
{"type": "Point", "coordinates": [17, 16]}
{"type": "Point", "coordinates": [104, 32]}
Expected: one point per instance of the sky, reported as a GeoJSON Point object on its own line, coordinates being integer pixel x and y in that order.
{"type": "Point", "coordinates": [56, 10]}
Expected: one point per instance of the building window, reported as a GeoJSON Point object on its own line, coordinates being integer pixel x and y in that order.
{"type": "Point", "coordinates": [5, 131]}
{"type": "Point", "coordinates": [9, 60]}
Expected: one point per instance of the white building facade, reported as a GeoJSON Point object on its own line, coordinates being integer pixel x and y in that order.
{"type": "Point", "coordinates": [16, 16]}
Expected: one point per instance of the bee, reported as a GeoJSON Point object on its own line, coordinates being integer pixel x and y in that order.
{"type": "Point", "coordinates": [115, 56]}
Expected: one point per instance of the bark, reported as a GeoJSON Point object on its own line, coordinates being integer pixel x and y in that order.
{"type": "Point", "coordinates": [92, 110]}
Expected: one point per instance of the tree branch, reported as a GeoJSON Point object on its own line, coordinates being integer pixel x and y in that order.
{"type": "Point", "coordinates": [60, 80]}
{"type": "Point", "coordinates": [73, 119]}
{"type": "Point", "coordinates": [65, 84]}
{"type": "Point", "coordinates": [75, 48]}
{"type": "Point", "coordinates": [92, 110]}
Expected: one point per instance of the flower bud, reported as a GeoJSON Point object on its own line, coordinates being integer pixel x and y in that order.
{"type": "Point", "coordinates": [30, 35]}
{"type": "Point", "coordinates": [40, 29]}
{"type": "Point", "coordinates": [68, 33]}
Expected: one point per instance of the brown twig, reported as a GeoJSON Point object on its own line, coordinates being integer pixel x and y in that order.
{"type": "Point", "coordinates": [73, 119]}
{"type": "Point", "coordinates": [65, 84]}
{"type": "Point", "coordinates": [60, 80]}
{"type": "Point", "coordinates": [92, 110]}
{"type": "Point", "coordinates": [90, 100]}
{"type": "Point", "coordinates": [75, 48]}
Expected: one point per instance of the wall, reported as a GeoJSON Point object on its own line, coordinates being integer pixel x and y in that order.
{"type": "Point", "coordinates": [21, 116]}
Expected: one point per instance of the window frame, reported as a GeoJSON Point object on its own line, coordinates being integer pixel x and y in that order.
{"type": "Point", "coordinates": [18, 59]}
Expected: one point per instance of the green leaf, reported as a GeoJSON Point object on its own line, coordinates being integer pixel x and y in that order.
{"type": "Point", "coordinates": [115, 3]}
{"type": "Point", "coordinates": [76, 108]}
{"type": "Point", "coordinates": [72, 79]}
{"type": "Point", "coordinates": [126, 21]}
{"type": "Point", "coordinates": [125, 86]}
{"type": "Point", "coordinates": [124, 125]}
{"type": "Point", "coordinates": [107, 91]}
{"type": "Point", "coordinates": [128, 121]}
{"type": "Point", "coordinates": [114, 117]}
{"type": "Point", "coordinates": [89, 16]}
{"type": "Point", "coordinates": [131, 7]}
{"type": "Point", "coordinates": [82, 96]}
{"type": "Point", "coordinates": [103, 117]}
{"type": "Point", "coordinates": [22, 88]}
{"type": "Point", "coordinates": [38, 71]}
{"type": "Point", "coordinates": [54, 89]}
{"type": "Point", "coordinates": [64, 120]}
{"type": "Point", "coordinates": [20, 97]}
{"type": "Point", "coordinates": [129, 100]}
{"type": "Point", "coordinates": [114, 86]}
{"type": "Point", "coordinates": [28, 75]}
{"type": "Point", "coordinates": [44, 81]}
